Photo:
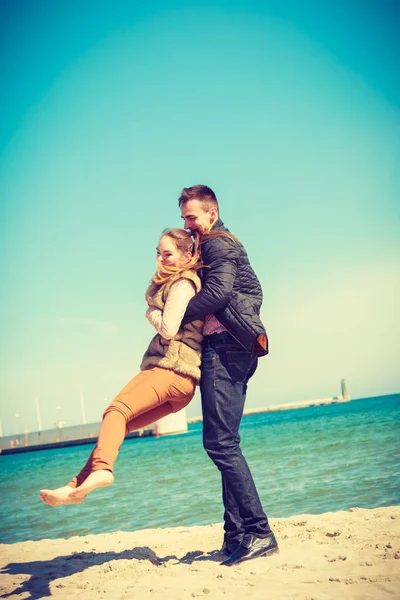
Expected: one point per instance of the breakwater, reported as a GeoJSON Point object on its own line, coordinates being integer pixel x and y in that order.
{"type": "Point", "coordinates": [77, 435]}
{"type": "Point", "coordinates": [286, 406]}
{"type": "Point", "coordinates": [59, 437]}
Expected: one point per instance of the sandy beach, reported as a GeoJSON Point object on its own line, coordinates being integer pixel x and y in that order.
{"type": "Point", "coordinates": [351, 554]}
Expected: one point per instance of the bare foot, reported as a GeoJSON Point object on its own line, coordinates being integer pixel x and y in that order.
{"type": "Point", "coordinates": [59, 496]}
{"type": "Point", "coordinates": [96, 479]}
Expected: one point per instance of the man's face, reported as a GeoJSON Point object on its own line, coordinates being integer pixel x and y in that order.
{"type": "Point", "coordinates": [195, 218]}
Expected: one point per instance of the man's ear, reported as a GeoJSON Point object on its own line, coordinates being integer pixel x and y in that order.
{"type": "Point", "coordinates": [214, 213]}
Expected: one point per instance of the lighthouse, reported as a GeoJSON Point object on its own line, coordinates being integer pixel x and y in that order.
{"type": "Point", "coordinates": [345, 393]}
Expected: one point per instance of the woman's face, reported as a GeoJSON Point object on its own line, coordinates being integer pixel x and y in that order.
{"type": "Point", "coordinates": [168, 254]}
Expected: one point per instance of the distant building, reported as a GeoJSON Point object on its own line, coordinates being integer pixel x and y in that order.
{"type": "Point", "coordinates": [173, 423]}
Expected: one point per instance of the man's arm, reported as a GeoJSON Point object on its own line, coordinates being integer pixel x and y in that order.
{"type": "Point", "coordinates": [220, 258]}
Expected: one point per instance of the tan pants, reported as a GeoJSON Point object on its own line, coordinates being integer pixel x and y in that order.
{"type": "Point", "coordinates": [151, 395]}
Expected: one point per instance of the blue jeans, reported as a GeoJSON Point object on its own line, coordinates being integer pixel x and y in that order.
{"type": "Point", "coordinates": [225, 370]}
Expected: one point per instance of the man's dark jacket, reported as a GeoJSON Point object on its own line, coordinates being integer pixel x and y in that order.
{"type": "Point", "coordinates": [231, 291]}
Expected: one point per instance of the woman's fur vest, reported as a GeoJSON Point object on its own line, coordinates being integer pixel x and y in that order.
{"type": "Point", "coordinates": [182, 354]}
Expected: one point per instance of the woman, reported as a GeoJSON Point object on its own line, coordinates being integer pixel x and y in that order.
{"type": "Point", "coordinates": [170, 368]}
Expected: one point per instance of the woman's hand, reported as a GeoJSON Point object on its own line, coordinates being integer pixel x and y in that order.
{"type": "Point", "coordinates": [152, 311]}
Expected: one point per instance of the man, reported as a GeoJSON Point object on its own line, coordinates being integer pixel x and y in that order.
{"type": "Point", "coordinates": [234, 337]}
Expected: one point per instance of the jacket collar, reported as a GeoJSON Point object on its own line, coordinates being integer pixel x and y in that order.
{"type": "Point", "coordinates": [218, 225]}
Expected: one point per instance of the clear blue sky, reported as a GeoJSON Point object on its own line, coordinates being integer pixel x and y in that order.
{"type": "Point", "coordinates": [290, 111]}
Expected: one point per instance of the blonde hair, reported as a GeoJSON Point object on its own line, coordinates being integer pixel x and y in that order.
{"type": "Point", "coordinates": [185, 243]}
{"type": "Point", "coordinates": [217, 233]}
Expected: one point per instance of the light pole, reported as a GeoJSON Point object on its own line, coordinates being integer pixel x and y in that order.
{"type": "Point", "coordinates": [83, 409]}
{"type": "Point", "coordinates": [58, 422]}
{"type": "Point", "coordinates": [39, 420]}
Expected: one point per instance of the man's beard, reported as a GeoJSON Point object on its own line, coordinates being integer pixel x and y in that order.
{"type": "Point", "coordinates": [199, 228]}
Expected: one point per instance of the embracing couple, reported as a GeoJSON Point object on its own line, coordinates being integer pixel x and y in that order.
{"type": "Point", "coordinates": [204, 302]}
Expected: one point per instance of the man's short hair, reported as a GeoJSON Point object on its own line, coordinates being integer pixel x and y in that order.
{"type": "Point", "coordinates": [202, 193]}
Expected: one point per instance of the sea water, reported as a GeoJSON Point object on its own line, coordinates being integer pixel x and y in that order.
{"type": "Point", "coordinates": [309, 460]}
